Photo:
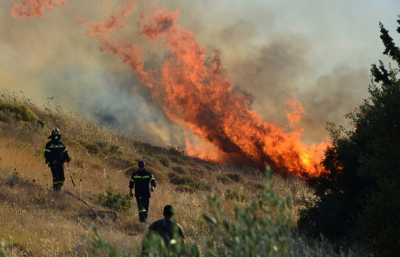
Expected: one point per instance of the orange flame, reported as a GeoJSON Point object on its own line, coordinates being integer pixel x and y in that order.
{"type": "Point", "coordinates": [195, 93]}
{"type": "Point", "coordinates": [295, 114]}
{"type": "Point", "coordinates": [203, 150]}
{"type": "Point", "coordinates": [34, 8]}
{"type": "Point", "coordinates": [104, 28]}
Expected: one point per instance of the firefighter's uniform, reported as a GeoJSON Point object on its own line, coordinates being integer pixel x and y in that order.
{"type": "Point", "coordinates": [170, 231]}
{"type": "Point", "coordinates": [166, 229]}
{"type": "Point", "coordinates": [143, 182]}
{"type": "Point", "coordinates": [56, 155]}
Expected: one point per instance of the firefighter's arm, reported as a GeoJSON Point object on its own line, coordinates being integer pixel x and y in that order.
{"type": "Point", "coordinates": [46, 154]}
{"type": "Point", "coordinates": [180, 232]}
{"type": "Point", "coordinates": [67, 157]}
{"type": "Point", "coordinates": [131, 185]}
{"type": "Point", "coordinates": [153, 183]}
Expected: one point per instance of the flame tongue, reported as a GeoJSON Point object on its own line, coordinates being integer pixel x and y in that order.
{"type": "Point", "coordinates": [34, 8]}
{"type": "Point", "coordinates": [197, 94]}
{"type": "Point", "coordinates": [194, 92]}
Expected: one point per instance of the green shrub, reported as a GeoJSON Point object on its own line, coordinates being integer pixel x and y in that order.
{"type": "Point", "coordinates": [2, 252]}
{"type": "Point", "coordinates": [154, 246]}
{"type": "Point", "coordinates": [376, 223]}
{"type": "Point", "coordinates": [101, 248]}
{"type": "Point", "coordinates": [17, 112]}
{"type": "Point", "coordinates": [229, 178]}
{"type": "Point", "coordinates": [101, 147]}
{"type": "Point", "coordinates": [115, 201]}
{"type": "Point", "coordinates": [262, 229]}
{"type": "Point", "coordinates": [185, 182]}
{"type": "Point", "coordinates": [235, 195]}
{"type": "Point", "coordinates": [358, 197]}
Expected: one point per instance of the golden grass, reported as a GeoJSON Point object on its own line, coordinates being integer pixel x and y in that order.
{"type": "Point", "coordinates": [36, 221]}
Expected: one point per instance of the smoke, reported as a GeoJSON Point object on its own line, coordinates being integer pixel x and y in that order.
{"type": "Point", "coordinates": [273, 50]}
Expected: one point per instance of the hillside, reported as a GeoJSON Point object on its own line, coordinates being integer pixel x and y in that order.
{"type": "Point", "coordinates": [36, 222]}
{"type": "Point", "coordinates": [91, 213]}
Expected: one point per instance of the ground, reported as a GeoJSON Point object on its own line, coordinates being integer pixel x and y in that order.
{"type": "Point", "coordinates": [34, 221]}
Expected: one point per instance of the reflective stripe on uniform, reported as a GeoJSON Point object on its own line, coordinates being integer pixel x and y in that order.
{"type": "Point", "coordinates": [58, 182]}
{"type": "Point", "coordinates": [55, 146]}
{"type": "Point", "coordinates": [141, 177]}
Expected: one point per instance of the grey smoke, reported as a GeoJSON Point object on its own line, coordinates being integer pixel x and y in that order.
{"type": "Point", "coordinates": [316, 51]}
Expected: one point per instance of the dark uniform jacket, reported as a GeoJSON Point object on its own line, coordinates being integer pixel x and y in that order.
{"type": "Point", "coordinates": [142, 181]}
{"type": "Point", "coordinates": [169, 230]}
{"type": "Point", "coordinates": [55, 153]}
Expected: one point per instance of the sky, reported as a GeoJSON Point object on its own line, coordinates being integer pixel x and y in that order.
{"type": "Point", "coordinates": [316, 51]}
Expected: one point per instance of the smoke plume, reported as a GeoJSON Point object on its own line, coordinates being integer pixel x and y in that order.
{"type": "Point", "coordinates": [270, 52]}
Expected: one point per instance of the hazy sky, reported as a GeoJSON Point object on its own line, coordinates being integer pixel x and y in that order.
{"type": "Point", "coordinates": [345, 31]}
{"type": "Point", "coordinates": [318, 51]}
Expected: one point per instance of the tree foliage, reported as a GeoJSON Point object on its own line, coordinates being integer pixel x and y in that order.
{"type": "Point", "coordinates": [359, 196]}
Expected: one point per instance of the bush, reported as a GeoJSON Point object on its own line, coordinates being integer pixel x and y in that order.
{"type": "Point", "coordinates": [101, 147]}
{"type": "Point", "coordinates": [187, 183]}
{"type": "Point", "coordinates": [154, 246]}
{"type": "Point", "coordinates": [2, 251]}
{"type": "Point", "coordinates": [229, 178]}
{"type": "Point", "coordinates": [261, 229]}
{"type": "Point", "coordinates": [235, 195]}
{"type": "Point", "coordinates": [17, 112]}
{"type": "Point", "coordinates": [101, 248]}
{"type": "Point", "coordinates": [358, 197]}
{"type": "Point", "coordinates": [115, 201]}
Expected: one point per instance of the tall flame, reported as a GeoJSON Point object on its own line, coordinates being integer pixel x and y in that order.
{"type": "Point", "coordinates": [104, 28]}
{"type": "Point", "coordinates": [195, 92]}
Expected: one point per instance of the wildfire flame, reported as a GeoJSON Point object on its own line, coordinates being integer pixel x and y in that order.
{"type": "Point", "coordinates": [104, 28]}
{"type": "Point", "coordinates": [195, 92]}
{"type": "Point", "coordinates": [34, 8]}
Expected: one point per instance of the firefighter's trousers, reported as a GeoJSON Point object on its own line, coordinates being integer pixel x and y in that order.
{"type": "Point", "coordinates": [57, 171]}
{"type": "Point", "coordinates": [143, 207]}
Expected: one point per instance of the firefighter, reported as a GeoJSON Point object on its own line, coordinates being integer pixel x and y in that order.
{"type": "Point", "coordinates": [144, 183]}
{"type": "Point", "coordinates": [56, 155]}
{"type": "Point", "coordinates": [170, 231]}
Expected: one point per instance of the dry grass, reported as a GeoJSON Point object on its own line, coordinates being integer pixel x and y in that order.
{"type": "Point", "coordinates": [35, 222]}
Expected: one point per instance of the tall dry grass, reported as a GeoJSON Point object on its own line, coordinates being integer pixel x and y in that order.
{"type": "Point", "coordinates": [36, 222]}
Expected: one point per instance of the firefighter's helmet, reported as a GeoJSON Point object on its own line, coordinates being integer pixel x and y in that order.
{"type": "Point", "coordinates": [55, 133]}
{"type": "Point", "coordinates": [168, 211]}
{"type": "Point", "coordinates": [141, 164]}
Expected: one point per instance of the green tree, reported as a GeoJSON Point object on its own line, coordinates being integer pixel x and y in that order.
{"type": "Point", "coordinates": [359, 197]}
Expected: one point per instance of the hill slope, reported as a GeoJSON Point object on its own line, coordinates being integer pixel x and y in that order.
{"type": "Point", "coordinates": [37, 222]}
